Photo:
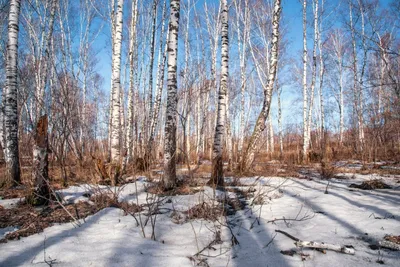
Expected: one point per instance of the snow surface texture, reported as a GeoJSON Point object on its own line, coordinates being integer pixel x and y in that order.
{"type": "Point", "coordinates": [109, 238]}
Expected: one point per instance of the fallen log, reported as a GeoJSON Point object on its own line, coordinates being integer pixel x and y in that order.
{"type": "Point", "coordinates": [389, 245]}
{"type": "Point", "coordinates": [318, 245]}
{"type": "Point", "coordinates": [322, 245]}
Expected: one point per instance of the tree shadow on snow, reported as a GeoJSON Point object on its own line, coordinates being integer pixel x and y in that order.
{"type": "Point", "coordinates": [257, 244]}
{"type": "Point", "coordinates": [36, 252]}
{"type": "Point", "coordinates": [357, 204]}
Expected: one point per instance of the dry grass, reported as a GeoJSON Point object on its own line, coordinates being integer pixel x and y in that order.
{"type": "Point", "coordinates": [370, 185]}
{"type": "Point", "coordinates": [184, 187]}
{"type": "Point", "coordinates": [204, 211]}
{"type": "Point", "coordinates": [31, 220]}
{"type": "Point", "coordinates": [327, 171]}
{"type": "Point", "coordinates": [393, 238]}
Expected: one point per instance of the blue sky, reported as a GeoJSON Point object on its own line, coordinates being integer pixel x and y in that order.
{"type": "Point", "coordinates": [291, 12]}
{"type": "Point", "coordinates": [292, 15]}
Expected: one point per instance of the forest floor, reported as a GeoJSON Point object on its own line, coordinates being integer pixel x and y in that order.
{"type": "Point", "coordinates": [136, 224]}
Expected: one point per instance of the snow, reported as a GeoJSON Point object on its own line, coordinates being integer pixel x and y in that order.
{"type": "Point", "coordinates": [10, 203]}
{"type": "Point", "coordinates": [109, 238]}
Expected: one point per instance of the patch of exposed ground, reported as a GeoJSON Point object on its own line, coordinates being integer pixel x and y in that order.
{"type": "Point", "coordinates": [29, 220]}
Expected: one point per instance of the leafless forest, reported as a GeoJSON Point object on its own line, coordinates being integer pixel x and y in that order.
{"type": "Point", "coordinates": [142, 101]}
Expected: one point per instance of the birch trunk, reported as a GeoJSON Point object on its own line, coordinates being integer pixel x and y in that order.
{"type": "Point", "coordinates": [361, 83]}
{"type": "Point", "coordinates": [187, 88]}
{"type": "Point", "coordinates": [110, 113]}
{"type": "Point", "coordinates": [356, 83]}
{"type": "Point", "coordinates": [131, 93]}
{"type": "Point", "coordinates": [213, 39]}
{"type": "Point", "coordinates": [172, 100]}
{"type": "Point", "coordinates": [313, 74]}
{"type": "Point", "coordinates": [321, 80]}
{"type": "Point", "coordinates": [229, 144]}
{"type": "Point", "coordinates": [337, 52]}
{"type": "Point", "coordinates": [305, 96]}
{"type": "Point", "coordinates": [2, 123]}
{"type": "Point", "coordinates": [11, 95]}
{"type": "Point", "coordinates": [248, 156]}
{"type": "Point", "coordinates": [116, 81]}
{"type": "Point", "coordinates": [341, 103]}
{"type": "Point", "coordinates": [159, 86]}
{"type": "Point", "coordinates": [152, 49]}
{"type": "Point", "coordinates": [217, 175]}
{"type": "Point", "coordinates": [270, 133]}
{"type": "Point", "coordinates": [41, 191]}
{"type": "Point", "coordinates": [243, 37]}
{"type": "Point", "coordinates": [279, 92]}
{"type": "Point", "coordinates": [202, 93]}
{"type": "Point", "coordinates": [40, 90]}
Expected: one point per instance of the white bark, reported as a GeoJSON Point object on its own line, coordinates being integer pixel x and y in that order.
{"type": "Point", "coordinates": [361, 82]}
{"type": "Point", "coordinates": [243, 37]}
{"type": "Point", "coordinates": [116, 81]}
{"type": "Point", "coordinates": [321, 245]}
{"type": "Point", "coordinates": [44, 63]}
{"type": "Point", "coordinates": [337, 52]}
{"type": "Point", "coordinates": [186, 109]}
{"type": "Point", "coordinates": [152, 49]}
{"type": "Point", "coordinates": [229, 145]}
{"type": "Point", "coordinates": [202, 92]}
{"type": "Point", "coordinates": [270, 133]}
{"type": "Point", "coordinates": [279, 92]}
{"type": "Point", "coordinates": [321, 77]}
{"type": "Point", "coordinates": [356, 82]}
{"type": "Point", "coordinates": [2, 123]}
{"type": "Point", "coordinates": [11, 95]}
{"type": "Point", "coordinates": [217, 176]}
{"type": "Point", "coordinates": [305, 96]}
{"type": "Point", "coordinates": [213, 39]}
{"type": "Point", "coordinates": [259, 127]}
{"type": "Point", "coordinates": [172, 100]}
{"type": "Point", "coordinates": [160, 83]}
{"type": "Point", "coordinates": [110, 114]}
{"type": "Point", "coordinates": [313, 74]}
{"type": "Point", "coordinates": [131, 92]}
{"type": "Point", "coordinates": [341, 105]}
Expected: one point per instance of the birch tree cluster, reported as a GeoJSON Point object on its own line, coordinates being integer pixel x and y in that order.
{"type": "Point", "coordinates": [182, 82]}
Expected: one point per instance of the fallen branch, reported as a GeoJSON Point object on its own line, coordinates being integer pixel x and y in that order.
{"type": "Point", "coordinates": [322, 245]}
{"type": "Point", "coordinates": [215, 241]}
{"type": "Point", "coordinates": [389, 245]}
{"type": "Point", "coordinates": [318, 245]}
{"type": "Point", "coordinates": [288, 235]}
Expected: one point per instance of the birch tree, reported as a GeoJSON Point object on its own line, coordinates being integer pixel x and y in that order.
{"type": "Point", "coordinates": [131, 92]}
{"type": "Point", "coordinates": [217, 175]}
{"type": "Point", "coordinates": [248, 156]}
{"type": "Point", "coordinates": [321, 76]}
{"type": "Point", "coordinates": [336, 49]}
{"type": "Point", "coordinates": [88, 15]}
{"type": "Point", "coordinates": [187, 84]}
{"type": "Point", "coordinates": [116, 82]}
{"type": "Point", "coordinates": [162, 55]}
{"type": "Point", "coordinates": [169, 180]}
{"type": "Point", "coordinates": [213, 28]}
{"type": "Point", "coordinates": [243, 34]}
{"type": "Point", "coordinates": [279, 92]}
{"type": "Point", "coordinates": [357, 90]}
{"type": "Point", "coordinates": [151, 66]}
{"type": "Point", "coordinates": [308, 95]}
{"type": "Point", "coordinates": [313, 76]}
{"type": "Point", "coordinates": [11, 101]}
{"type": "Point", "coordinates": [44, 63]}
{"type": "Point", "coordinates": [305, 96]}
